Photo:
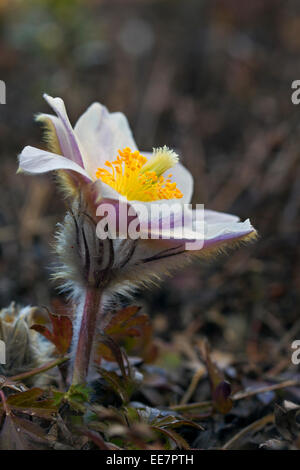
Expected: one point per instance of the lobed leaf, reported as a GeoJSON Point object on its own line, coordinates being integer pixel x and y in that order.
{"type": "Point", "coordinates": [32, 403]}
{"type": "Point", "coordinates": [61, 334]}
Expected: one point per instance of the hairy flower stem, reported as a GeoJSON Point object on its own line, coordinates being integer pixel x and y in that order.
{"type": "Point", "coordinates": [91, 311]}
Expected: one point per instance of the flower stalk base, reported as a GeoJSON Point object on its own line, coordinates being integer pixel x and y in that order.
{"type": "Point", "coordinates": [91, 312]}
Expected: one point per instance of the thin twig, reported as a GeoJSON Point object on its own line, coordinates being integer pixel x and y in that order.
{"type": "Point", "coordinates": [192, 387]}
{"type": "Point", "coordinates": [39, 370]}
{"type": "Point", "coordinates": [259, 424]}
{"type": "Point", "coordinates": [237, 396]}
{"type": "Point", "coordinates": [192, 406]}
{"type": "Point", "coordinates": [267, 388]}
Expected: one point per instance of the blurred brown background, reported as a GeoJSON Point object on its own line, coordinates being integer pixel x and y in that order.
{"type": "Point", "coordinates": [211, 78]}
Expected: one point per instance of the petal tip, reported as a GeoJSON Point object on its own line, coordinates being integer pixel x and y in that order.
{"type": "Point", "coordinates": [46, 97]}
{"type": "Point", "coordinates": [53, 100]}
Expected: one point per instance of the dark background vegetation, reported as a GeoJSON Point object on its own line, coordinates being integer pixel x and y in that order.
{"type": "Point", "coordinates": [209, 78]}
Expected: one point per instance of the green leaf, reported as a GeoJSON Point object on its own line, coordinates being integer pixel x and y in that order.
{"type": "Point", "coordinates": [77, 396]}
{"type": "Point", "coordinates": [58, 397]}
{"type": "Point", "coordinates": [31, 402]}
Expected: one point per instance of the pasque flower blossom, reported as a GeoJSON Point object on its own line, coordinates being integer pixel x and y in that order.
{"type": "Point", "coordinates": [98, 162]}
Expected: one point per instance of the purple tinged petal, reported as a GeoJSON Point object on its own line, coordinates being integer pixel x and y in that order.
{"type": "Point", "coordinates": [228, 235]}
{"type": "Point", "coordinates": [214, 217]}
{"type": "Point", "coordinates": [33, 160]}
{"type": "Point", "coordinates": [215, 235]}
{"type": "Point", "coordinates": [65, 147]}
{"type": "Point", "coordinates": [70, 142]}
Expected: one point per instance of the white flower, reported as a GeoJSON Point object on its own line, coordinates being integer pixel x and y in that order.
{"type": "Point", "coordinates": [99, 162]}
{"type": "Point", "coordinates": [102, 152]}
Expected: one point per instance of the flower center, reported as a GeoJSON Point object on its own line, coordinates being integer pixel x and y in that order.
{"type": "Point", "coordinates": [134, 176]}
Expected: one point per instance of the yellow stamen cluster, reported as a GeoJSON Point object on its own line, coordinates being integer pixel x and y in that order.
{"type": "Point", "coordinates": [134, 176]}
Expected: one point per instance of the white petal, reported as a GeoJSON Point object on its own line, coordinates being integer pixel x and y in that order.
{"type": "Point", "coordinates": [72, 148]}
{"type": "Point", "coordinates": [123, 134]}
{"type": "Point", "coordinates": [209, 235]}
{"type": "Point", "coordinates": [102, 134]}
{"type": "Point", "coordinates": [184, 180]}
{"type": "Point", "coordinates": [227, 230]}
{"type": "Point", "coordinates": [33, 160]}
{"type": "Point", "coordinates": [214, 217]}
